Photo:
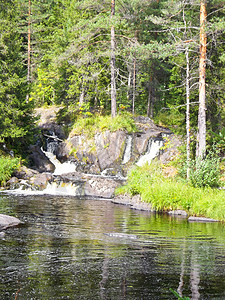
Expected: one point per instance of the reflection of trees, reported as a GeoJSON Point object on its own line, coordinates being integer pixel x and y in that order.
{"type": "Point", "coordinates": [195, 277]}
{"type": "Point", "coordinates": [194, 271]}
{"type": "Point", "coordinates": [182, 272]}
{"type": "Point", "coordinates": [68, 254]}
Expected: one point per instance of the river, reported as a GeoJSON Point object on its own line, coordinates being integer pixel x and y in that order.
{"type": "Point", "coordinates": [70, 248]}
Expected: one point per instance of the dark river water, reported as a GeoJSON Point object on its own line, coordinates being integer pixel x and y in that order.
{"type": "Point", "coordinates": [72, 248]}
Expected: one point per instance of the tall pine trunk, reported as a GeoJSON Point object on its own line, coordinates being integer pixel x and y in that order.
{"type": "Point", "coordinates": [201, 138]}
{"type": "Point", "coordinates": [29, 44]}
{"type": "Point", "coordinates": [134, 87]}
{"type": "Point", "coordinates": [113, 64]}
{"type": "Point", "coordinates": [188, 111]}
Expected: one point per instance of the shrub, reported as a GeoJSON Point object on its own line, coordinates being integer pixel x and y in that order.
{"type": "Point", "coordinates": [7, 166]}
{"type": "Point", "coordinates": [205, 172]}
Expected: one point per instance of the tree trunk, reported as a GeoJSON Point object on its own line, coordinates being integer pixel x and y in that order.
{"type": "Point", "coordinates": [134, 87]}
{"type": "Point", "coordinates": [188, 111]}
{"type": "Point", "coordinates": [201, 138]}
{"type": "Point", "coordinates": [113, 64]}
{"type": "Point", "coordinates": [29, 44]}
{"type": "Point", "coordinates": [129, 84]}
{"type": "Point", "coordinates": [151, 99]}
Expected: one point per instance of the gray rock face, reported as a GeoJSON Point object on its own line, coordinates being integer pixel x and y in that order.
{"type": "Point", "coordinates": [109, 148]}
{"type": "Point", "coordinates": [100, 187]}
{"type": "Point", "coordinates": [8, 221]}
{"type": "Point", "coordinates": [39, 160]}
{"type": "Point", "coordinates": [106, 150]}
{"type": "Point", "coordinates": [91, 185]}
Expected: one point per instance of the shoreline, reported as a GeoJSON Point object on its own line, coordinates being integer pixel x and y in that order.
{"type": "Point", "coordinates": [136, 203]}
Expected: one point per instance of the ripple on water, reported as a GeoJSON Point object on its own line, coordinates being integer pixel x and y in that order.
{"type": "Point", "coordinates": [63, 252]}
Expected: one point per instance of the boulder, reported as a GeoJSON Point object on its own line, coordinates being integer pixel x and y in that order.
{"type": "Point", "coordinates": [40, 181]}
{"type": "Point", "coordinates": [13, 183]}
{"type": "Point", "coordinates": [8, 221]}
{"type": "Point", "coordinates": [100, 187]}
{"type": "Point", "coordinates": [24, 173]}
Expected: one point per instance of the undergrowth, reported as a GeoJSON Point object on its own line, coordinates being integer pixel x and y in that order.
{"type": "Point", "coordinates": [170, 193]}
{"type": "Point", "coordinates": [7, 166]}
{"type": "Point", "coordinates": [89, 125]}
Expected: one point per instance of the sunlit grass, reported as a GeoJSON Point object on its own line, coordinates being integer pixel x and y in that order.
{"type": "Point", "coordinates": [170, 194]}
{"type": "Point", "coordinates": [89, 125]}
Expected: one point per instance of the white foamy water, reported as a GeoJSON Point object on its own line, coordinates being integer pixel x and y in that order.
{"type": "Point", "coordinates": [60, 168]}
{"type": "Point", "coordinates": [53, 188]}
{"type": "Point", "coordinates": [127, 153]}
{"type": "Point", "coordinates": [152, 152]}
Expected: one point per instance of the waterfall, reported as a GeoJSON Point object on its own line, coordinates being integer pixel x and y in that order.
{"type": "Point", "coordinates": [60, 168]}
{"type": "Point", "coordinates": [154, 146]}
{"type": "Point", "coordinates": [127, 152]}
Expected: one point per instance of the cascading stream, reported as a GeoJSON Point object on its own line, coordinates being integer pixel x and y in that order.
{"type": "Point", "coordinates": [153, 151]}
{"type": "Point", "coordinates": [60, 168]}
{"type": "Point", "coordinates": [127, 152]}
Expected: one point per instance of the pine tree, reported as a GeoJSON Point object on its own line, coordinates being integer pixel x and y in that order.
{"type": "Point", "coordinates": [16, 113]}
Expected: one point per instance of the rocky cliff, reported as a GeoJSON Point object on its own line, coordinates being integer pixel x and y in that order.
{"type": "Point", "coordinates": [107, 154]}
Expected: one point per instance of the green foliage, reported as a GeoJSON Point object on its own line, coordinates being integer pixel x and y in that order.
{"type": "Point", "coordinates": [7, 166]}
{"type": "Point", "coordinates": [89, 125]}
{"type": "Point", "coordinates": [43, 92]}
{"type": "Point", "coordinates": [168, 193]}
{"type": "Point", "coordinates": [205, 172]}
{"type": "Point", "coordinates": [16, 119]}
{"type": "Point", "coordinates": [178, 296]}
{"type": "Point", "coordinates": [218, 139]}
{"type": "Point", "coordinates": [171, 118]}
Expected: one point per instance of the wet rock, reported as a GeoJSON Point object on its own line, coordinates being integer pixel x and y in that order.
{"type": "Point", "coordinates": [40, 181]}
{"type": "Point", "coordinates": [13, 183]}
{"type": "Point", "coordinates": [109, 148]}
{"type": "Point", "coordinates": [141, 140]}
{"type": "Point", "coordinates": [24, 173]}
{"type": "Point", "coordinates": [48, 121]}
{"type": "Point", "coordinates": [178, 212]}
{"type": "Point", "coordinates": [8, 221]}
{"type": "Point", "coordinates": [134, 202]}
{"type": "Point", "coordinates": [201, 219]}
{"type": "Point", "coordinates": [100, 186]}
{"type": "Point", "coordinates": [39, 160]}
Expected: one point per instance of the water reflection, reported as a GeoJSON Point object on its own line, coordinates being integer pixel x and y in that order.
{"type": "Point", "coordinates": [63, 252]}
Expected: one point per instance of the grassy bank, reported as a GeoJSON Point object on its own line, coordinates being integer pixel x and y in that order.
{"type": "Point", "coordinates": [91, 124]}
{"type": "Point", "coordinates": [170, 193]}
{"type": "Point", "coordinates": [7, 166]}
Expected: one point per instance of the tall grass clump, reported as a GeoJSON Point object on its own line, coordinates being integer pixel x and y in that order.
{"type": "Point", "coordinates": [90, 124]}
{"type": "Point", "coordinates": [170, 194]}
{"type": "Point", "coordinates": [205, 172]}
{"type": "Point", "coordinates": [7, 166]}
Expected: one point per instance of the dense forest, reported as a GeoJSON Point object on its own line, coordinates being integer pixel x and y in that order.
{"type": "Point", "coordinates": [164, 59]}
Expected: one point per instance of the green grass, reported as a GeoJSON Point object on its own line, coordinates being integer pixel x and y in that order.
{"type": "Point", "coordinates": [7, 166]}
{"type": "Point", "coordinates": [170, 194]}
{"type": "Point", "coordinates": [89, 125]}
